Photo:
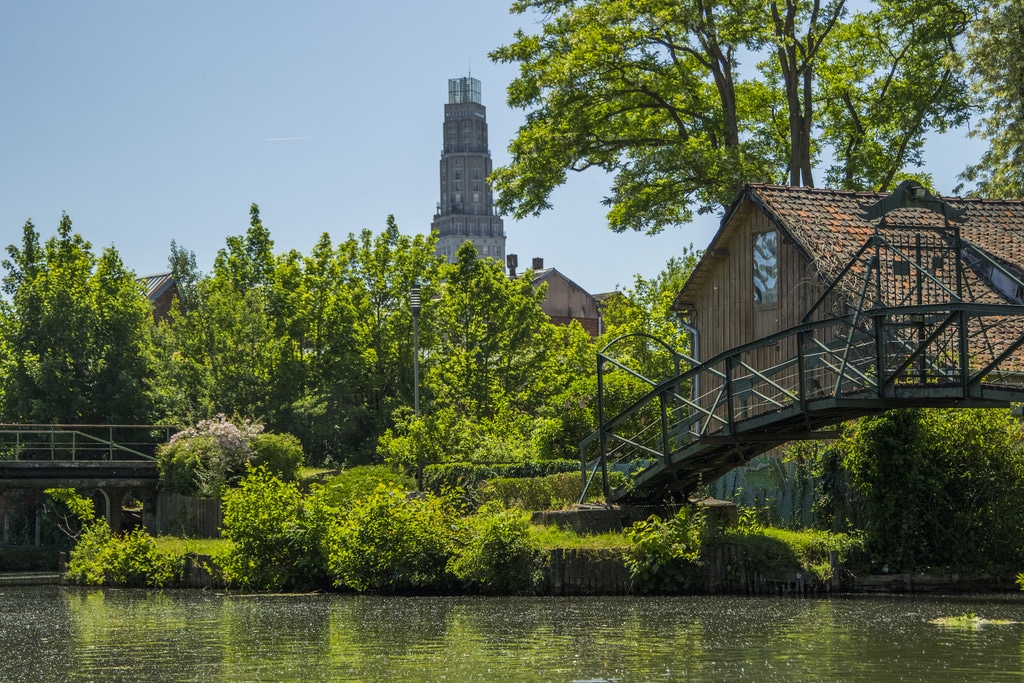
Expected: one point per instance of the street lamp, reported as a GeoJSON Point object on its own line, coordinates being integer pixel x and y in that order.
{"type": "Point", "coordinates": [415, 304]}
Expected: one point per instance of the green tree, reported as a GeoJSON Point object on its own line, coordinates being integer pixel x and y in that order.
{"type": "Point", "coordinates": [941, 487]}
{"type": "Point", "coordinates": [379, 271]}
{"type": "Point", "coordinates": [998, 80]}
{"type": "Point", "coordinates": [76, 333]}
{"type": "Point", "coordinates": [653, 92]}
{"type": "Point", "coordinates": [223, 354]}
{"type": "Point", "coordinates": [319, 346]}
{"type": "Point", "coordinates": [492, 339]}
{"type": "Point", "coordinates": [894, 76]}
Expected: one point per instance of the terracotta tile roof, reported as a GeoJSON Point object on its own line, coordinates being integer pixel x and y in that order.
{"type": "Point", "coordinates": [828, 227]}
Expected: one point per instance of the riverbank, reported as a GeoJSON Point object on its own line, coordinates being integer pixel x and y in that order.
{"type": "Point", "coordinates": [726, 570]}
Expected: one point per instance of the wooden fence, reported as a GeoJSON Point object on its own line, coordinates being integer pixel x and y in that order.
{"type": "Point", "coordinates": [187, 516]}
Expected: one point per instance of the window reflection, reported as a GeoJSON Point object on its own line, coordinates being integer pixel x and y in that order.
{"type": "Point", "coordinates": [766, 268]}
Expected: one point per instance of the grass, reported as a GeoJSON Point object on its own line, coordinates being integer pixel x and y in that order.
{"type": "Point", "coordinates": [313, 472]}
{"type": "Point", "coordinates": [777, 550]}
{"type": "Point", "coordinates": [199, 546]}
{"type": "Point", "coordinates": [551, 537]}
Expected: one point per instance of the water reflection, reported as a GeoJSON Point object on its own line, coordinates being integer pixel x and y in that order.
{"type": "Point", "coordinates": [57, 634]}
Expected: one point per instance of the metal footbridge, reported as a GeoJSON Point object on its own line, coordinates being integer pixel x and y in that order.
{"type": "Point", "coordinates": [914, 319]}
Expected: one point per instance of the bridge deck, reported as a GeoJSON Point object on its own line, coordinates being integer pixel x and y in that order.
{"type": "Point", "coordinates": [25, 474]}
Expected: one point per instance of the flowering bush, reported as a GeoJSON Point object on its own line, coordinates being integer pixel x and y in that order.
{"type": "Point", "coordinates": [202, 460]}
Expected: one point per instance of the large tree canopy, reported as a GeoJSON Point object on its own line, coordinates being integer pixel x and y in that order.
{"type": "Point", "coordinates": [75, 334]}
{"type": "Point", "coordinates": [683, 101]}
{"type": "Point", "coordinates": [997, 68]}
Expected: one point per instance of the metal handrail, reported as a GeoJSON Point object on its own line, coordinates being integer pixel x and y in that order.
{"type": "Point", "coordinates": [72, 439]}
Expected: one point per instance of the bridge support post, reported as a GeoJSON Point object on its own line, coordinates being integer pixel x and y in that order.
{"type": "Point", "coordinates": [114, 497]}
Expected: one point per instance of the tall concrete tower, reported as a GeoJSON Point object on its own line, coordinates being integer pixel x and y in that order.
{"type": "Point", "coordinates": [466, 209]}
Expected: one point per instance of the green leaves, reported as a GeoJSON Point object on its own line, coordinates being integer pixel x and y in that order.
{"type": "Point", "coordinates": [965, 467]}
{"type": "Point", "coordinates": [278, 534]}
{"type": "Point", "coordinates": [997, 80]}
{"type": "Point", "coordinates": [393, 543]}
{"type": "Point", "coordinates": [654, 93]}
{"type": "Point", "coordinates": [75, 340]}
{"type": "Point", "coordinates": [661, 552]}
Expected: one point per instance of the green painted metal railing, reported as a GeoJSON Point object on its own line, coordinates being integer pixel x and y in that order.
{"type": "Point", "coordinates": [74, 442]}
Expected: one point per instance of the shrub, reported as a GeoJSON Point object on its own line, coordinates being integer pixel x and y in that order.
{"type": "Point", "coordinates": [542, 493]}
{"type": "Point", "coordinates": [357, 483]}
{"type": "Point", "coordinates": [965, 467]}
{"type": "Point", "coordinates": [281, 454]}
{"type": "Point", "coordinates": [499, 556]}
{"type": "Point", "coordinates": [467, 476]}
{"type": "Point", "coordinates": [101, 558]}
{"type": "Point", "coordinates": [393, 543]}
{"type": "Point", "coordinates": [662, 553]}
{"type": "Point", "coordinates": [458, 475]}
{"type": "Point", "coordinates": [278, 535]}
{"type": "Point", "coordinates": [202, 460]}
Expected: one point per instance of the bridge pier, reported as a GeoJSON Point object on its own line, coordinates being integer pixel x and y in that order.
{"type": "Point", "coordinates": [113, 499]}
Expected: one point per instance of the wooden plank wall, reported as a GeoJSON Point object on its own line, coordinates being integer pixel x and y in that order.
{"type": "Point", "coordinates": [726, 315]}
{"type": "Point", "coordinates": [187, 516]}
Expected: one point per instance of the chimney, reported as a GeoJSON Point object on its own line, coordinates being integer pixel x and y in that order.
{"type": "Point", "coordinates": [512, 261]}
{"type": "Point", "coordinates": [538, 263]}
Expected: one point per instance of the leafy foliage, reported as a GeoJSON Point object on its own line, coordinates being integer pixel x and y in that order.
{"type": "Point", "coordinates": [997, 73]}
{"type": "Point", "coordinates": [350, 486]}
{"type": "Point", "coordinates": [281, 454]}
{"type": "Point", "coordinates": [654, 94]}
{"type": "Point", "coordinates": [278, 535]}
{"type": "Point", "coordinates": [553, 492]}
{"type": "Point", "coordinates": [467, 475]}
{"type": "Point", "coordinates": [131, 559]}
{"type": "Point", "coordinates": [202, 460]}
{"type": "Point", "coordinates": [779, 552]}
{"type": "Point", "coordinates": [394, 544]}
{"type": "Point", "coordinates": [661, 551]}
{"type": "Point", "coordinates": [318, 346]}
{"type": "Point", "coordinates": [75, 334]}
{"type": "Point", "coordinates": [964, 467]}
{"type": "Point", "coordinates": [499, 555]}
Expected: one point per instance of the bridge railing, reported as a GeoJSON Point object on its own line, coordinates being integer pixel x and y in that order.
{"type": "Point", "coordinates": [943, 355]}
{"type": "Point", "coordinates": [82, 442]}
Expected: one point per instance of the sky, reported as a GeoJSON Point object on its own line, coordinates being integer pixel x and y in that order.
{"type": "Point", "coordinates": [148, 122]}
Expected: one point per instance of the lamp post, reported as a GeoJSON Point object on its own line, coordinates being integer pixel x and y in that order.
{"type": "Point", "coordinates": [414, 304]}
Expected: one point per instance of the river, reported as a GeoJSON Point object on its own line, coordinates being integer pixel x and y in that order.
{"type": "Point", "coordinates": [54, 633]}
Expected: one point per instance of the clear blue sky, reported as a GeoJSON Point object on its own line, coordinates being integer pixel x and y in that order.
{"type": "Point", "coordinates": [153, 121]}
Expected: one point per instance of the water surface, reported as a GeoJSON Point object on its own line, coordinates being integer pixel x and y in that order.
{"type": "Point", "coordinates": [51, 633]}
